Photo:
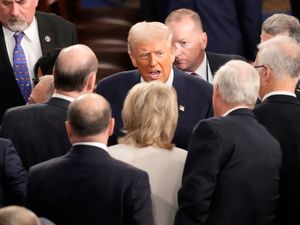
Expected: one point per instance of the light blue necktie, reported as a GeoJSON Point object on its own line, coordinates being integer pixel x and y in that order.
{"type": "Point", "coordinates": [20, 67]}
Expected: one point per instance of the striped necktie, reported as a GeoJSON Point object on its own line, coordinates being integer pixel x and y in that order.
{"type": "Point", "coordinates": [20, 67]}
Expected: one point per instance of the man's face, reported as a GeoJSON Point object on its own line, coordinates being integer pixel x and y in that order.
{"type": "Point", "coordinates": [154, 59]}
{"type": "Point", "coordinates": [17, 15]}
{"type": "Point", "coordinates": [190, 43]}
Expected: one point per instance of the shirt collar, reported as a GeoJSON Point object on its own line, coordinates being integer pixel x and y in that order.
{"type": "Point", "coordinates": [68, 98]}
{"type": "Point", "coordinates": [95, 144]}
{"type": "Point", "coordinates": [235, 108]}
{"type": "Point", "coordinates": [278, 93]}
{"type": "Point", "coordinates": [169, 82]}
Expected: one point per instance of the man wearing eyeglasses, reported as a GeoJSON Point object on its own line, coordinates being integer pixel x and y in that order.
{"type": "Point", "coordinates": [278, 63]}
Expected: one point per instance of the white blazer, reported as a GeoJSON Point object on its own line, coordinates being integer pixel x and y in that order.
{"type": "Point", "coordinates": [164, 168]}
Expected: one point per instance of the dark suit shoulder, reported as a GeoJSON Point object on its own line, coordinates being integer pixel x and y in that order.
{"type": "Point", "coordinates": [54, 19]}
{"type": "Point", "coordinates": [225, 57]}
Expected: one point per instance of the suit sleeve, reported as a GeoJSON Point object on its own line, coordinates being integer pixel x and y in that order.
{"type": "Point", "coordinates": [15, 176]}
{"type": "Point", "coordinates": [199, 176]}
{"type": "Point", "coordinates": [139, 206]}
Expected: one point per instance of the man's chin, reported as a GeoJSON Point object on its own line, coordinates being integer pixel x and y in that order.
{"type": "Point", "coordinates": [17, 26]}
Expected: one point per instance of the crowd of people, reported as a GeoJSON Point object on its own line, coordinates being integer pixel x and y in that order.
{"type": "Point", "coordinates": [191, 136]}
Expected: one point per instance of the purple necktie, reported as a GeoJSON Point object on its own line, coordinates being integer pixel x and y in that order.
{"type": "Point", "coordinates": [20, 67]}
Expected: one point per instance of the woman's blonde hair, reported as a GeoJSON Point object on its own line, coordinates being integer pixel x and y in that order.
{"type": "Point", "coordinates": [150, 115]}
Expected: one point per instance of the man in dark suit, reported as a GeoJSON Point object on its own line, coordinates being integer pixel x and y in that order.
{"type": "Point", "coordinates": [233, 26]}
{"type": "Point", "coordinates": [150, 51]}
{"type": "Point", "coordinates": [87, 186]}
{"type": "Point", "coordinates": [13, 176]}
{"type": "Point", "coordinates": [281, 24]}
{"type": "Point", "coordinates": [231, 174]}
{"type": "Point", "coordinates": [38, 130]}
{"type": "Point", "coordinates": [278, 62]}
{"type": "Point", "coordinates": [190, 43]}
{"type": "Point", "coordinates": [43, 33]}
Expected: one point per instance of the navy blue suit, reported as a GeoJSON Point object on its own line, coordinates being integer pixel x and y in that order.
{"type": "Point", "coordinates": [194, 100]}
{"type": "Point", "coordinates": [280, 114]}
{"type": "Point", "coordinates": [38, 131]}
{"type": "Point", "coordinates": [62, 34]}
{"type": "Point", "coordinates": [233, 26]}
{"type": "Point", "coordinates": [231, 174]}
{"type": "Point", "coordinates": [87, 186]}
{"type": "Point", "coordinates": [13, 176]}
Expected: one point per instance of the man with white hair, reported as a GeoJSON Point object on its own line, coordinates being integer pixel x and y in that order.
{"type": "Point", "coordinates": [26, 35]}
{"type": "Point", "coordinates": [278, 63]}
{"type": "Point", "coordinates": [232, 170]}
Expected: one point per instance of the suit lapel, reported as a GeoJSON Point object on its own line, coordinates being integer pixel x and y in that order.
{"type": "Point", "coordinates": [180, 87]}
{"type": "Point", "coordinates": [47, 36]}
{"type": "Point", "coordinates": [5, 64]}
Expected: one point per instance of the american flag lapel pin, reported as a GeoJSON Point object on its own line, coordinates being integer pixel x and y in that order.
{"type": "Point", "coordinates": [181, 108]}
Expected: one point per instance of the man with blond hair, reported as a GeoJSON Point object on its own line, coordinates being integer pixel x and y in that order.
{"type": "Point", "coordinates": [150, 50]}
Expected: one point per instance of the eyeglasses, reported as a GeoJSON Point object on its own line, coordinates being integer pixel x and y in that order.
{"type": "Point", "coordinates": [259, 66]}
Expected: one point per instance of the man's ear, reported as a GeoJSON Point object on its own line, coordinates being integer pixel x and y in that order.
{"type": "Point", "coordinates": [265, 73]}
{"type": "Point", "coordinates": [91, 82]}
{"type": "Point", "coordinates": [69, 129]}
{"type": "Point", "coordinates": [133, 60]}
{"type": "Point", "coordinates": [111, 126]}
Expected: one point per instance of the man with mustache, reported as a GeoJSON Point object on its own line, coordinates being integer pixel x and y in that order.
{"type": "Point", "coordinates": [37, 34]}
{"type": "Point", "coordinates": [150, 50]}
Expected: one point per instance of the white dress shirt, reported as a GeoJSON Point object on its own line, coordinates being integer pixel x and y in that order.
{"type": "Point", "coordinates": [30, 44]}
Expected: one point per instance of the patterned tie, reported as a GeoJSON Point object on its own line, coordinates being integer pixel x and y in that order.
{"type": "Point", "coordinates": [20, 67]}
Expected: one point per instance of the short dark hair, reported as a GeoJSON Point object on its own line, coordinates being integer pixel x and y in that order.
{"type": "Point", "coordinates": [86, 122]}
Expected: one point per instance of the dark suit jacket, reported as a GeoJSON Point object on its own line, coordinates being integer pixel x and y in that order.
{"type": "Point", "coordinates": [194, 100]}
{"type": "Point", "coordinates": [280, 114]}
{"type": "Point", "coordinates": [233, 26]}
{"type": "Point", "coordinates": [217, 60]}
{"type": "Point", "coordinates": [13, 176]}
{"type": "Point", "coordinates": [231, 175]}
{"type": "Point", "coordinates": [88, 187]}
{"type": "Point", "coordinates": [37, 131]}
{"type": "Point", "coordinates": [62, 34]}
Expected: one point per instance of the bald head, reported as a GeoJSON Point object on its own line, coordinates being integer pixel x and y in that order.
{"type": "Point", "coordinates": [16, 215]}
{"type": "Point", "coordinates": [43, 91]}
{"type": "Point", "coordinates": [74, 64]}
{"type": "Point", "coordinates": [89, 114]}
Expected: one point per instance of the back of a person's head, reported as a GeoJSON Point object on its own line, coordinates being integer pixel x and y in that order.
{"type": "Point", "coordinates": [179, 14]}
{"type": "Point", "coordinates": [282, 55]}
{"type": "Point", "coordinates": [45, 64]}
{"type": "Point", "coordinates": [238, 83]}
{"type": "Point", "coordinates": [16, 215]}
{"type": "Point", "coordinates": [43, 90]}
{"type": "Point", "coordinates": [73, 66]}
{"type": "Point", "coordinates": [148, 32]}
{"type": "Point", "coordinates": [150, 115]}
{"type": "Point", "coordinates": [89, 114]}
{"type": "Point", "coordinates": [282, 24]}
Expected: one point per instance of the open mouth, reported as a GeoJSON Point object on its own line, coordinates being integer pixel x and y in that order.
{"type": "Point", "coordinates": [154, 75]}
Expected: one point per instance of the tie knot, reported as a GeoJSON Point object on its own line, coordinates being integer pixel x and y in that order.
{"type": "Point", "coordinates": [18, 37]}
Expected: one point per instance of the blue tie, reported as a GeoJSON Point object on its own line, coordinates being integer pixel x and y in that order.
{"type": "Point", "coordinates": [20, 67]}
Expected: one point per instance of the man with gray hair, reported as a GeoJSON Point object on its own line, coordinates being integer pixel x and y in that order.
{"type": "Point", "coordinates": [232, 170]}
{"type": "Point", "coordinates": [278, 62]}
{"type": "Point", "coordinates": [280, 24]}
{"type": "Point", "coordinates": [87, 186]}
{"type": "Point", "coordinates": [38, 130]}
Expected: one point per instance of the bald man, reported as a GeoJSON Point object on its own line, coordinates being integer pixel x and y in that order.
{"type": "Point", "coordinates": [43, 90]}
{"type": "Point", "coordinates": [38, 130]}
{"type": "Point", "coordinates": [87, 186]}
